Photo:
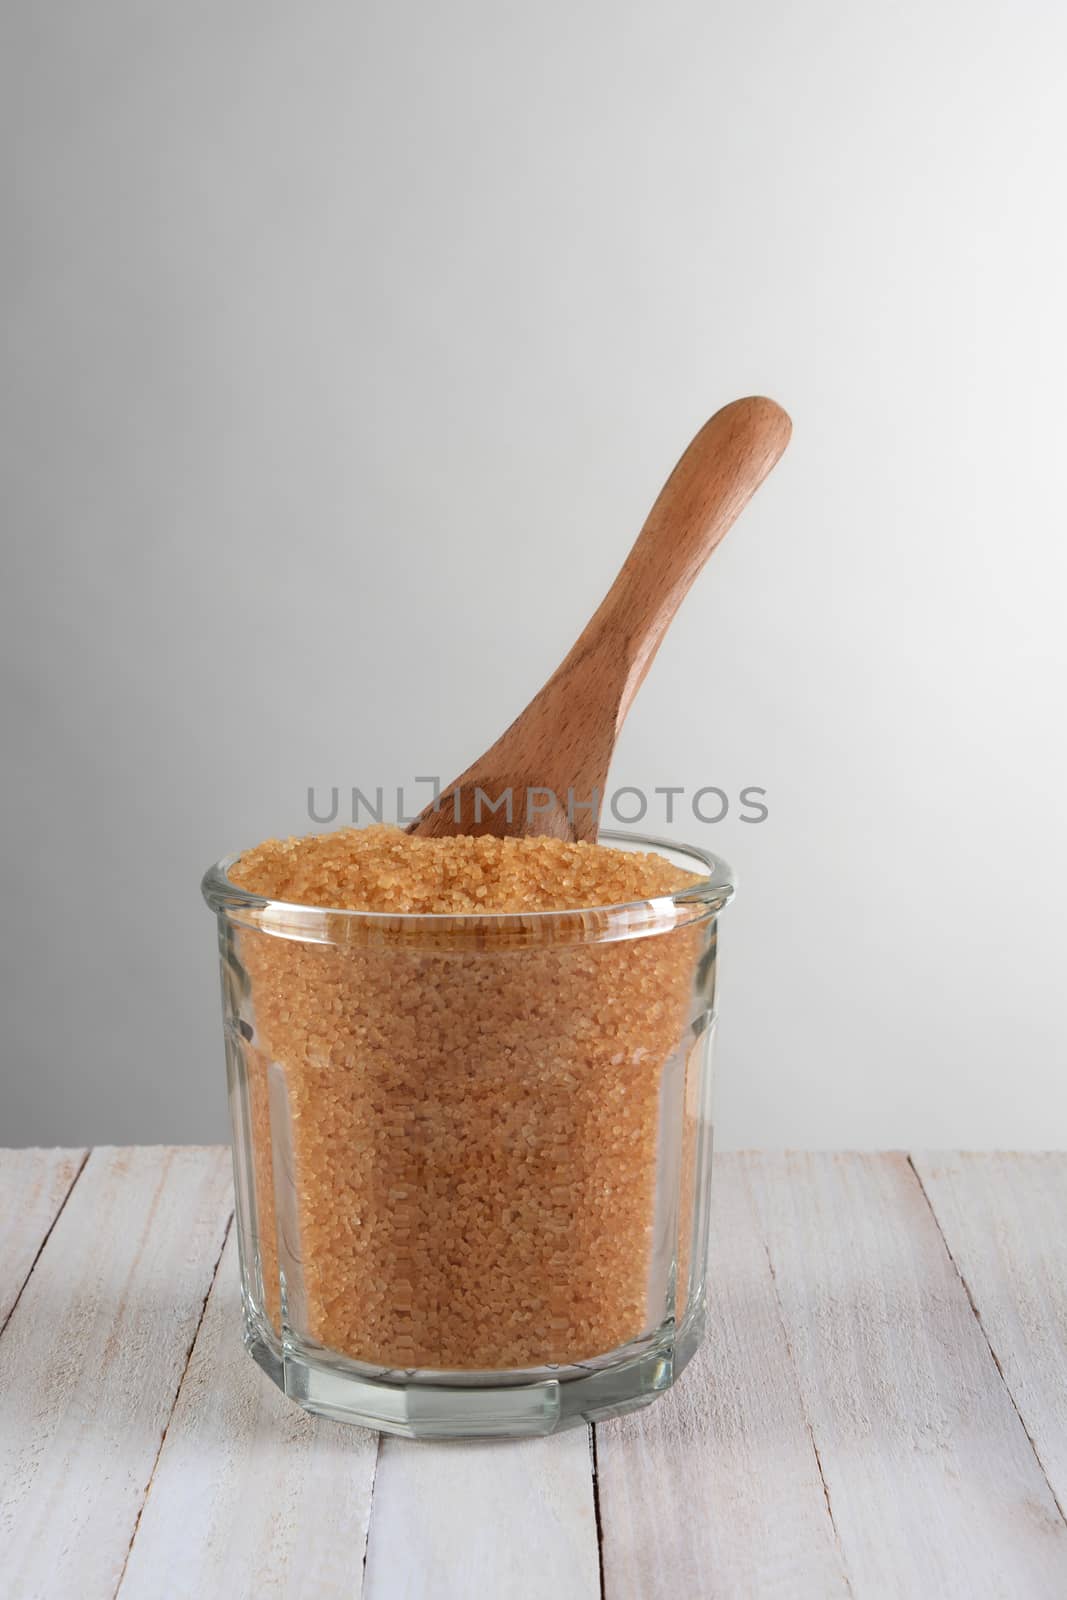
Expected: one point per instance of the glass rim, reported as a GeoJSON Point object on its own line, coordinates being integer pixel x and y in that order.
{"type": "Point", "coordinates": [593, 924]}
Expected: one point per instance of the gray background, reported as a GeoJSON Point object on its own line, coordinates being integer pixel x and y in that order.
{"type": "Point", "coordinates": [344, 348]}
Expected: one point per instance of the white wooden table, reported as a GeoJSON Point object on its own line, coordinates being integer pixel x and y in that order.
{"type": "Point", "coordinates": [880, 1409]}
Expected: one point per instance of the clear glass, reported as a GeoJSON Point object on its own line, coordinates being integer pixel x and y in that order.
{"type": "Point", "coordinates": [472, 1154]}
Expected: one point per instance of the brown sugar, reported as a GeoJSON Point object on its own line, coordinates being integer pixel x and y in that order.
{"type": "Point", "coordinates": [461, 1148]}
{"type": "Point", "coordinates": [383, 869]}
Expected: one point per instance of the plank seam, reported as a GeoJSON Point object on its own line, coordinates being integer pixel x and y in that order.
{"type": "Point", "coordinates": [173, 1405]}
{"type": "Point", "coordinates": [807, 1419]}
{"type": "Point", "coordinates": [985, 1335]}
{"type": "Point", "coordinates": [370, 1514]}
{"type": "Point", "coordinates": [62, 1207]}
{"type": "Point", "coordinates": [598, 1517]}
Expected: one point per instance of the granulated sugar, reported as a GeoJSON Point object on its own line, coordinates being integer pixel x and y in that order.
{"type": "Point", "coordinates": [466, 1136]}
{"type": "Point", "coordinates": [383, 869]}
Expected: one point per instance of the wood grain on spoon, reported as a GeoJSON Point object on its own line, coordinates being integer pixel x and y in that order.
{"type": "Point", "coordinates": [553, 760]}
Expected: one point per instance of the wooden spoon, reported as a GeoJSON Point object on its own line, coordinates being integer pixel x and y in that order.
{"type": "Point", "coordinates": [553, 760]}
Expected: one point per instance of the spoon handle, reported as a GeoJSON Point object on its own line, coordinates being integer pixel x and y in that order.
{"type": "Point", "coordinates": [707, 491]}
{"type": "Point", "coordinates": [562, 743]}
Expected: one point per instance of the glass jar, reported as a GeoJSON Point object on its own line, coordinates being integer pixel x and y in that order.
{"type": "Point", "coordinates": [472, 1153]}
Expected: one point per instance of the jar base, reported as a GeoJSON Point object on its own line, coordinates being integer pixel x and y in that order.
{"type": "Point", "coordinates": [477, 1407]}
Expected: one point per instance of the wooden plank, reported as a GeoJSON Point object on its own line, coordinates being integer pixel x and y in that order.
{"type": "Point", "coordinates": [251, 1495]}
{"type": "Point", "coordinates": [33, 1187]}
{"type": "Point", "coordinates": [932, 1483]}
{"type": "Point", "coordinates": [484, 1518]}
{"type": "Point", "coordinates": [92, 1358]}
{"type": "Point", "coordinates": [1002, 1217]}
{"type": "Point", "coordinates": [715, 1489]}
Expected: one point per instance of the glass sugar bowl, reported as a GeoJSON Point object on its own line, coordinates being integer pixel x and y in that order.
{"type": "Point", "coordinates": [472, 1153]}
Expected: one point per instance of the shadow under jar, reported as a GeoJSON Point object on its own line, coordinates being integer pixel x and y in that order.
{"type": "Point", "coordinates": [472, 1153]}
